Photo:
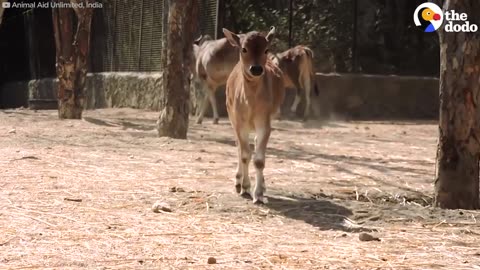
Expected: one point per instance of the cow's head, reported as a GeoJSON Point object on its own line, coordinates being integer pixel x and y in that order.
{"type": "Point", "coordinates": [253, 49]}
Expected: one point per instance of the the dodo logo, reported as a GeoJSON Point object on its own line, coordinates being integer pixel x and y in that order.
{"type": "Point", "coordinates": [428, 16]}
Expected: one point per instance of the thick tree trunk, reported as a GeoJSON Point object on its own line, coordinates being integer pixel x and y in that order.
{"type": "Point", "coordinates": [457, 175]}
{"type": "Point", "coordinates": [182, 20]}
{"type": "Point", "coordinates": [72, 48]}
{"type": "Point", "coordinates": [1, 10]}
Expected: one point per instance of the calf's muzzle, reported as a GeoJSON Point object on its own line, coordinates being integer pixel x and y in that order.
{"type": "Point", "coordinates": [256, 70]}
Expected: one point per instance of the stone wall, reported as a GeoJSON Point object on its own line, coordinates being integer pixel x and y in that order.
{"type": "Point", "coordinates": [349, 96]}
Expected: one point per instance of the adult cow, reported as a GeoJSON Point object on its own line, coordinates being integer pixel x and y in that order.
{"type": "Point", "coordinates": [254, 92]}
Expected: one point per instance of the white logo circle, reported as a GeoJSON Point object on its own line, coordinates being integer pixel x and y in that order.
{"type": "Point", "coordinates": [436, 23]}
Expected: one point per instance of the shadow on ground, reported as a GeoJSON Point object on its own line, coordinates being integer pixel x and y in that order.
{"type": "Point", "coordinates": [381, 165]}
{"type": "Point", "coordinates": [320, 213]}
{"type": "Point", "coordinates": [143, 125]}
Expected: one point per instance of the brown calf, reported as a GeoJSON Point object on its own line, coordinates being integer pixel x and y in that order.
{"type": "Point", "coordinates": [254, 92]}
{"type": "Point", "coordinates": [297, 66]}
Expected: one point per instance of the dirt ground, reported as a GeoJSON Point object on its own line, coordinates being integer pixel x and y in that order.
{"type": "Point", "coordinates": [79, 194]}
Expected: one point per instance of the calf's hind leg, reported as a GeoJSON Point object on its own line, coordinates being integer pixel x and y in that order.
{"type": "Point", "coordinates": [296, 101]}
{"type": "Point", "coordinates": [307, 85]}
{"type": "Point", "coordinates": [209, 98]}
{"type": "Point", "coordinates": [213, 102]}
{"type": "Point", "coordinates": [203, 105]}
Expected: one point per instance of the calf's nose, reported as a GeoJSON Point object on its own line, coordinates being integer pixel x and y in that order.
{"type": "Point", "coordinates": [256, 70]}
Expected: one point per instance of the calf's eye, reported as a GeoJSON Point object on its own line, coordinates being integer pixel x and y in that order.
{"type": "Point", "coordinates": [266, 51]}
{"type": "Point", "coordinates": [244, 50]}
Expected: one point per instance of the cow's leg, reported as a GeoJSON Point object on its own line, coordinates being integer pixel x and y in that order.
{"type": "Point", "coordinates": [277, 115]}
{"type": "Point", "coordinates": [242, 179]}
{"type": "Point", "coordinates": [262, 134]}
{"type": "Point", "coordinates": [213, 101]}
{"type": "Point", "coordinates": [308, 89]}
{"type": "Point", "coordinates": [204, 105]}
{"type": "Point", "coordinates": [306, 85]}
{"type": "Point", "coordinates": [194, 102]}
{"type": "Point", "coordinates": [296, 101]}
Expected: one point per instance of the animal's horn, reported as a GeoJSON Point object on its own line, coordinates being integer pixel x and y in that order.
{"type": "Point", "coordinates": [270, 34]}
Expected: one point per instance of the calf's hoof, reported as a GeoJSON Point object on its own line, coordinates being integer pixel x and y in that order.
{"type": "Point", "coordinates": [238, 188]}
{"type": "Point", "coordinates": [215, 121]}
{"type": "Point", "coordinates": [259, 195]}
{"type": "Point", "coordinates": [199, 121]}
{"type": "Point", "coordinates": [246, 195]}
{"type": "Point", "coordinates": [260, 200]}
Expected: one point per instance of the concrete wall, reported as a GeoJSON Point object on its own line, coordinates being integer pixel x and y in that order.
{"type": "Point", "coordinates": [104, 90]}
{"type": "Point", "coordinates": [378, 97]}
{"type": "Point", "coordinates": [348, 96]}
{"type": "Point", "coordinates": [362, 96]}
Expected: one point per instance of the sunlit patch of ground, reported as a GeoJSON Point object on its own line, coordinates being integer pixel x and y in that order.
{"type": "Point", "coordinates": [78, 194]}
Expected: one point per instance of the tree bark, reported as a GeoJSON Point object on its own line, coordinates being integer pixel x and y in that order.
{"type": "Point", "coordinates": [457, 173]}
{"type": "Point", "coordinates": [174, 100]}
{"type": "Point", "coordinates": [72, 50]}
{"type": "Point", "coordinates": [1, 10]}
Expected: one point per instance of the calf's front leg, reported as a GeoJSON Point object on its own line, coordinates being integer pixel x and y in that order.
{"type": "Point", "coordinates": [262, 134]}
{"type": "Point", "coordinates": [242, 180]}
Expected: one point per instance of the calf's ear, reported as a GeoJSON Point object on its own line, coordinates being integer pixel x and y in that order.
{"type": "Point", "coordinates": [233, 38]}
{"type": "Point", "coordinates": [270, 34]}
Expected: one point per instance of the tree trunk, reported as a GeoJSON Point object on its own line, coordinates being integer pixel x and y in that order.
{"type": "Point", "coordinates": [174, 100]}
{"type": "Point", "coordinates": [1, 10]}
{"type": "Point", "coordinates": [457, 175]}
{"type": "Point", "coordinates": [72, 48]}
